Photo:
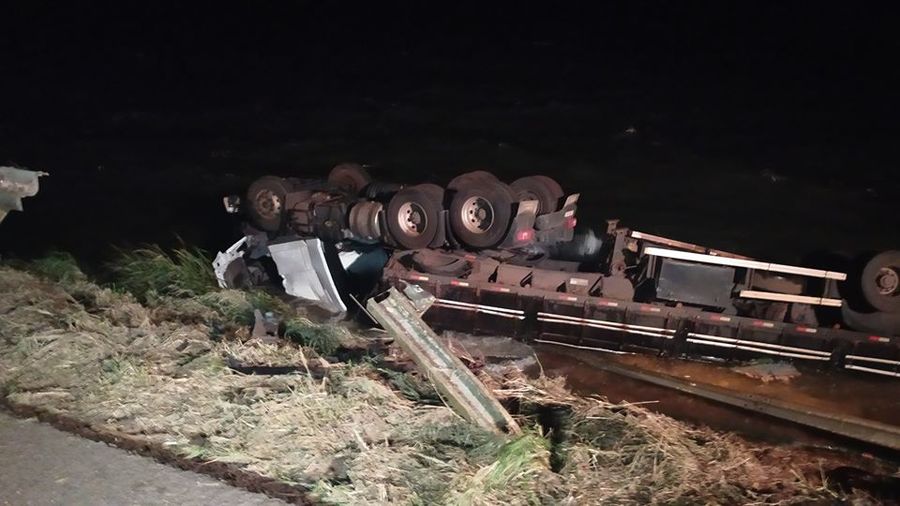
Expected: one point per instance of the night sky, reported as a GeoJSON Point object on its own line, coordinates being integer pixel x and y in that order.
{"type": "Point", "coordinates": [146, 113]}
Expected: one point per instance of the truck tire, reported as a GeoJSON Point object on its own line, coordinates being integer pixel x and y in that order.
{"type": "Point", "coordinates": [432, 262]}
{"type": "Point", "coordinates": [412, 217]}
{"type": "Point", "coordinates": [265, 199]}
{"type": "Point", "coordinates": [480, 213]}
{"type": "Point", "coordinates": [434, 190]}
{"type": "Point", "coordinates": [880, 281]}
{"type": "Point", "coordinates": [545, 190]}
{"type": "Point", "coordinates": [476, 175]}
{"type": "Point", "coordinates": [350, 177]}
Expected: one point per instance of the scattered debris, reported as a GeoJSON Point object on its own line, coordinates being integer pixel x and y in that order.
{"type": "Point", "coordinates": [265, 326]}
{"type": "Point", "coordinates": [767, 370]}
{"type": "Point", "coordinates": [16, 184]}
{"type": "Point", "coordinates": [463, 391]}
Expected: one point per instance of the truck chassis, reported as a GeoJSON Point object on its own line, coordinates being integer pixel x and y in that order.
{"type": "Point", "coordinates": [485, 251]}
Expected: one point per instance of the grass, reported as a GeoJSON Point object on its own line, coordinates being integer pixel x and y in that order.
{"type": "Point", "coordinates": [513, 476]}
{"type": "Point", "coordinates": [355, 437]}
{"type": "Point", "coordinates": [325, 339]}
{"type": "Point", "coordinates": [151, 271]}
{"type": "Point", "coordinates": [59, 266]}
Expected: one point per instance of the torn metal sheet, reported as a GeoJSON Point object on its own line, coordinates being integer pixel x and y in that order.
{"type": "Point", "coordinates": [16, 184]}
{"type": "Point", "coordinates": [420, 299]}
{"type": "Point", "coordinates": [306, 275]}
{"type": "Point", "coordinates": [456, 383]}
{"type": "Point", "coordinates": [230, 263]}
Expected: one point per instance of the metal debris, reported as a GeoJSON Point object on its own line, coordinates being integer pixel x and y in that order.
{"type": "Point", "coordinates": [16, 184]}
{"type": "Point", "coordinates": [306, 273]}
{"type": "Point", "coordinates": [265, 326]}
{"type": "Point", "coordinates": [455, 382]}
{"type": "Point", "coordinates": [766, 371]}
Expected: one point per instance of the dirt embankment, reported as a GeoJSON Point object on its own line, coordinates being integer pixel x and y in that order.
{"type": "Point", "coordinates": [152, 377]}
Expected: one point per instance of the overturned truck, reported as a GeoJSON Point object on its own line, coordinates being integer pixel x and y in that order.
{"type": "Point", "coordinates": [494, 256]}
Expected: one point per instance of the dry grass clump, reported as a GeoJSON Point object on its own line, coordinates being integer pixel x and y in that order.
{"type": "Point", "coordinates": [347, 437]}
{"type": "Point", "coordinates": [626, 454]}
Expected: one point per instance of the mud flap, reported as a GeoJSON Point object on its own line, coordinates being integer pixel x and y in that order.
{"type": "Point", "coordinates": [306, 274]}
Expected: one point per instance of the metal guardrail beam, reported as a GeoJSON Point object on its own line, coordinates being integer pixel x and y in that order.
{"type": "Point", "coordinates": [453, 380]}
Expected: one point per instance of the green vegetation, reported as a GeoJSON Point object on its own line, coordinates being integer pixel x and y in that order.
{"type": "Point", "coordinates": [515, 473]}
{"type": "Point", "coordinates": [151, 271]}
{"type": "Point", "coordinates": [58, 266]}
{"type": "Point", "coordinates": [325, 339]}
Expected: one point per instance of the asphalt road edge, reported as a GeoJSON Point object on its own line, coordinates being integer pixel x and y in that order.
{"type": "Point", "coordinates": [224, 471]}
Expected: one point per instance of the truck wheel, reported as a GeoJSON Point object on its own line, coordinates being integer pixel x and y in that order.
{"type": "Point", "coordinates": [435, 191]}
{"type": "Point", "coordinates": [350, 177]}
{"type": "Point", "coordinates": [412, 217]}
{"type": "Point", "coordinates": [881, 281]}
{"type": "Point", "coordinates": [541, 188]}
{"type": "Point", "coordinates": [364, 220]}
{"type": "Point", "coordinates": [476, 175]}
{"type": "Point", "coordinates": [432, 262]}
{"type": "Point", "coordinates": [266, 202]}
{"type": "Point", "coordinates": [480, 213]}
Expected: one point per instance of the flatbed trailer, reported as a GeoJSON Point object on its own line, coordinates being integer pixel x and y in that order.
{"type": "Point", "coordinates": [497, 303]}
{"type": "Point", "coordinates": [486, 251]}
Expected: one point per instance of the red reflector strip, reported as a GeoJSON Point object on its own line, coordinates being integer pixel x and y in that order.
{"type": "Point", "coordinates": [651, 309]}
{"type": "Point", "coordinates": [808, 330]}
{"type": "Point", "coordinates": [418, 277]}
{"type": "Point", "coordinates": [760, 323]}
{"type": "Point", "coordinates": [456, 282]}
{"type": "Point", "coordinates": [608, 303]}
{"type": "Point", "coordinates": [497, 289]}
{"type": "Point", "coordinates": [879, 339]}
{"type": "Point", "coordinates": [568, 298]}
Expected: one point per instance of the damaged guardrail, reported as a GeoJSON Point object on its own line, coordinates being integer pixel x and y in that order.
{"type": "Point", "coordinates": [16, 184]}
{"type": "Point", "coordinates": [452, 379]}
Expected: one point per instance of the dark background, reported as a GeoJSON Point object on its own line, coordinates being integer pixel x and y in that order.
{"type": "Point", "coordinates": [767, 128]}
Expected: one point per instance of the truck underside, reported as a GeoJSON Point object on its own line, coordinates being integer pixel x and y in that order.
{"type": "Point", "coordinates": [494, 257]}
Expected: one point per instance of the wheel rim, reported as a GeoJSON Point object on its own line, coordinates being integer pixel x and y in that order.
{"type": "Point", "coordinates": [477, 215]}
{"type": "Point", "coordinates": [412, 219]}
{"type": "Point", "coordinates": [887, 280]}
{"type": "Point", "coordinates": [268, 204]}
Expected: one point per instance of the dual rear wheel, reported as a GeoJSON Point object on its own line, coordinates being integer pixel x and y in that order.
{"type": "Point", "coordinates": [480, 209]}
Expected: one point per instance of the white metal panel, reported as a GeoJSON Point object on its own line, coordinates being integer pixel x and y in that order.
{"type": "Point", "coordinates": [747, 264]}
{"type": "Point", "coordinates": [784, 297]}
